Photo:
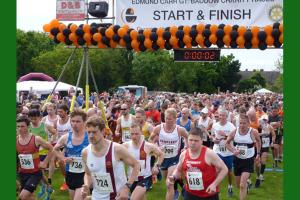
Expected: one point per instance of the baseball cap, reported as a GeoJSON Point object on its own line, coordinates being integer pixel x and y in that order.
{"type": "Point", "coordinates": [204, 110]}
{"type": "Point", "coordinates": [216, 103]}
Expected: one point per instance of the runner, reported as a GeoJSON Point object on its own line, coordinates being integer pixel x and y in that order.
{"type": "Point", "coordinates": [104, 165]}
{"type": "Point", "coordinates": [142, 151]}
{"type": "Point", "coordinates": [63, 126]}
{"type": "Point", "coordinates": [168, 136]}
{"type": "Point", "coordinates": [205, 123]}
{"type": "Point", "coordinates": [123, 123]}
{"type": "Point", "coordinates": [220, 132]}
{"type": "Point", "coordinates": [266, 133]}
{"type": "Point", "coordinates": [202, 169]}
{"type": "Point", "coordinates": [28, 154]}
{"type": "Point", "coordinates": [244, 139]}
{"type": "Point", "coordinates": [74, 142]}
{"type": "Point", "coordinates": [153, 114]}
{"type": "Point", "coordinates": [140, 117]}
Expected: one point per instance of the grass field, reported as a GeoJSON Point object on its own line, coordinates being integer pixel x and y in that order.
{"type": "Point", "coordinates": [271, 188]}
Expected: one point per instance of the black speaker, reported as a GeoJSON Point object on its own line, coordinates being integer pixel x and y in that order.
{"type": "Point", "coordinates": [98, 9]}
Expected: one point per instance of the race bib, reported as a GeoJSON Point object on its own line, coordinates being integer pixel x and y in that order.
{"type": "Point", "coordinates": [126, 135]}
{"type": "Point", "coordinates": [102, 183]}
{"type": "Point", "coordinates": [170, 151]}
{"type": "Point", "coordinates": [222, 148]}
{"type": "Point", "coordinates": [76, 166]}
{"type": "Point", "coordinates": [243, 151]}
{"type": "Point", "coordinates": [142, 170]}
{"type": "Point", "coordinates": [265, 142]}
{"type": "Point", "coordinates": [26, 161]}
{"type": "Point", "coordinates": [195, 181]}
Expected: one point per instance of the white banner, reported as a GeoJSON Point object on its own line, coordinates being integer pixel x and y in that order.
{"type": "Point", "coordinates": [70, 10]}
{"type": "Point", "coordinates": [163, 13]}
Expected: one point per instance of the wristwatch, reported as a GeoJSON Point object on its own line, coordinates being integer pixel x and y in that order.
{"type": "Point", "coordinates": [128, 185]}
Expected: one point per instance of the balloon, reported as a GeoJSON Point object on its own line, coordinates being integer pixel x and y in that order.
{"type": "Point", "coordinates": [160, 32]}
{"type": "Point", "coordinates": [122, 43]}
{"type": "Point", "coordinates": [102, 30]}
{"type": "Point", "coordinates": [116, 28]}
{"type": "Point", "coordinates": [109, 33]}
{"type": "Point", "coordinates": [116, 38]}
{"type": "Point", "coordinates": [125, 26]}
{"type": "Point", "coordinates": [188, 46]}
{"type": "Point", "coordinates": [194, 43]}
{"type": "Point", "coordinates": [207, 26]}
{"type": "Point", "coordinates": [213, 38]}
{"type": "Point", "coordinates": [269, 40]}
{"type": "Point", "coordinates": [200, 40]}
{"type": "Point", "coordinates": [180, 34]}
{"type": "Point", "coordinates": [268, 29]}
{"type": "Point", "coordinates": [193, 33]}
{"type": "Point", "coordinates": [186, 29]}
{"type": "Point", "coordinates": [235, 27]}
{"type": "Point", "coordinates": [95, 43]}
{"type": "Point", "coordinates": [79, 32]}
{"type": "Point", "coordinates": [220, 43]}
{"type": "Point", "coordinates": [248, 45]}
{"type": "Point", "coordinates": [126, 38]}
{"type": "Point", "coordinates": [173, 40]}
{"type": "Point", "coordinates": [86, 28]}
{"type": "Point", "coordinates": [73, 28]}
{"type": "Point", "coordinates": [207, 43]}
{"type": "Point", "coordinates": [54, 23]}
{"type": "Point", "coordinates": [281, 38]}
{"type": "Point", "coordinates": [166, 35]}
{"type": "Point", "coordinates": [97, 37]}
{"type": "Point", "coordinates": [153, 36]}
{"type": "Point", "coordinates": [248, 36]}
{"type": "Point", "coordinates": [226, 39]}
{"type": "Point", "coordinates": [213, 28]}
{"type": "Point", "coordinates": [68, 41]}
{"type": "Point", "coordinates": [262, 45]}
{"type": "Point", "coordinates": [240, 41]}
{"type": "Point", "coordinates": [147, 32]}
{"type": "Point", "coordinates": [142, 48]}
{"type": "Point", "coordinates": [255, 42]}
{"type": "Point", "coordinates": [155, 46]}
{"type": "Point", "coordinates": [46, 27]}
{"type": "Point", "coordinates": [101, 45]}
{"type": "Point", "coordinates": [261, 36]}
{"type": "Point", "coordinates": [281, 28]}
{"type": "Point", "coordinates": [275, 33]}
{"type": "Point", "coordinates": [220, 34]}
{"type": "Point", "coordinates": [221, 26]}
{"type": "Point", "coordinates": [133, 34]}
{"type": "Point", "coordinates": [66, 32]}
{"type": "Point", "coordinates": [81, 41]}
{"type": "Point", "coordinates": [121, 32]}
{"type": "Point", "coordinates": [173, 30]}
{"type": "Point", "coordinates": [94, 30]}
{"type": "Point", "coordinates": [233, 34]}
{"type": "Point", "coordinates": [87, 37]}
{"type": "Point", "coordinates": [134, 44]}
{"type": "Point", "coordinates": [160, 42]}
{"type": "Point", "coordinates": [241, 30]}
{"type": "Point", "coordinates": [227, 29]}
{"type": "Point", "coordinates": [233, 44]}
{"type": "Point", "coordinates": [180, 44]}
{"type": "Point", "coordinates": [254, 30]}
{"type": "Point", "coordinates": [200, 28]}
{"type": "Point", "coordinates": [141, 38]}
{"type": "Point", "coordinates": [113, 44]}
{"type": "Point", "coordinates": [206, 33]}
{"type": "Point", "coordinates": [128, 46]}
{"type": "Point", "coordinates": [168, 46]}
{"type": "Point", "coordinates": [148, 43]}
{"type": "Point", "coordinates": [187, 39]}
{"type": "Point", "coordinates": [277, 44]}
{"type": "Point", "coordinates": [60, 37]}
{"type": "Point", "coordinates": [72, 37]}
{"type": "Point", "coordinates": [276, 25]}
{"type": "Point", "coordinates": [54, 31]}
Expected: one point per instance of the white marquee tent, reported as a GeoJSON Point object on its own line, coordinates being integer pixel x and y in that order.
{"type": "Point", "coordinates": [43, 87]}
{"type": "Point", "coordinates": [262, 91]}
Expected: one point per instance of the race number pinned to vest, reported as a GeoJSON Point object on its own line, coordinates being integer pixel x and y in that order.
{"type": "Point", "coordinates": [195, 181]}
{"type": "Point", "coordinates": [126, 134]}
{"type": "Point", "coordinates": [222, 148]}
{"type": "Point", "coordinates": [170, 151]}
{"type": "Point", "coordinates": [243, 151]}
{"type": "Point", "coordinates": [265, 142]}
{"type": "Point", "coordinates": [102, 183]}
{"type": "Point", "coordinates": [26, 161]}
{"type": "Point", "coordinates": [77, 165]}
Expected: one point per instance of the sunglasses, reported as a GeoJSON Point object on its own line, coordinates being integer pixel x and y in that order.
{"type": "Point", "coordinates": [123, 109]}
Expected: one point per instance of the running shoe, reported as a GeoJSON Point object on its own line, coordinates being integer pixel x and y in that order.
{"type": "Point", "coordinates": [64, 187]}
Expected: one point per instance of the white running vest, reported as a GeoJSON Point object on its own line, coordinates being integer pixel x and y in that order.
{"type": "Point", "coordinates": [63, 129]}
{"type": "Point", "coordinates": [97, 167]}
{"type": "Point", "coordinates": [243, 141]}
{"type": "Point", "coordinates": [169, 142]}
{"type": "Point", "coordinates": [125, 127]}
{"type": "Point", "coordinates": [145, 166]}
{"type": "Point", "coordinates": [205, 124]}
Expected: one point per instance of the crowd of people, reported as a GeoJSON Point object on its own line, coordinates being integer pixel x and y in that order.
{"type": "Point", "coordinates": [193, 141]}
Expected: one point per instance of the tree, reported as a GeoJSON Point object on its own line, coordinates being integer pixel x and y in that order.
{"type": "Point", "coordinates": [247, 85]}
{"type": "Point", "coordinates": [29, 45]}
{"type": "Point", "coordinates": [259, 78]}
{"type": "Point", "coordinates": [278, 85]}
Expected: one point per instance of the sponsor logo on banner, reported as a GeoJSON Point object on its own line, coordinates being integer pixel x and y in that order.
{"type": "Point", "coordinates": [164, 13]}
{"type": "Point", "coordinates": [70, 10]}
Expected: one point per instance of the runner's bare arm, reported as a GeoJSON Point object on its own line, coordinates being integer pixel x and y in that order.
{"type": "Point", "coordinates": [122, 154]}
{"type": "Point", "coordinates": [183, 133]}
{"type": "Point", "coordinates": [256, 139]}
{"type": "Point", "coordinates": [87, 175]}
{"type": "Point", "coordinates": [157, 152]}
{"type": "Point", "coordinates": [273, 134]}
{"type": "Point", "coordinates": [178, 170]}
{"type": "Point", "coordinates": [118, 128]}
{"type": "Point", "coordinates": [228, 142]}
{"type": "Point", "coordinates": [61, 143]}
{"type": "Point", "coordinates": [216, 161]}
{"type": "Point", "coordinates": [51, 129]}
{"type": "Point", "coordinates": [154, 134]}
{"type": "Point", "coordinates": [41, 142]}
